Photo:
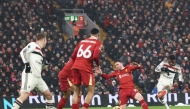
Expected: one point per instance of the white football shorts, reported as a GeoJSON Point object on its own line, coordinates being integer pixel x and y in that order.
{"type": "Point", "coordinates": [29, 82]}
{"type": "Point", "coordinates": [162, 83]}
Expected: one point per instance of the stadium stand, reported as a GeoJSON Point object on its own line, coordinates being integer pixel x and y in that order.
{"type": "Point", "coordinates": [142, 31]}
{"type": "Point", "coordinates": [145, 32]}
{"type": "Point", "coordinates": [20, 21]}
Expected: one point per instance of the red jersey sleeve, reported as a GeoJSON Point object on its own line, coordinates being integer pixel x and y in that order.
{"type": "Point", "coordinates": [74, 54]}
{"type": "Point", "coordinates": [66, 70]}
{"type": "Point", "coordinates": [134, 67]}
{"type": "Point", "coordinates": [107, 76]}
{"type": "Point", "coordinates": [96, 54]}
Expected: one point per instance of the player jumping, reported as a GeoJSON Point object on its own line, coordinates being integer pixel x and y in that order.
{"type": "Point", "coordinates": [126, 87]}
{"type": "Point", "coordinates": [66, 84]}
{"type": "Point", "coordinates": [85, 52]}
{"type": "Point", "coordinates": [167, 70]}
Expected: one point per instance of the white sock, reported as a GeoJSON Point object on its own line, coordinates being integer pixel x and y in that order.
{"type": "Point", "coordinates": [49, 104]}
{"type": "Point", "coordinates": [165, 103]}
{"type": "Point", "coordinates": [17, 104]}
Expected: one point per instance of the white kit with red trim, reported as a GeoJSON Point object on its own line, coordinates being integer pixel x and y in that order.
{"type": "Point", "coordinates": [32, 54]}
{"type": "Point", "coordinates": [171, 75]}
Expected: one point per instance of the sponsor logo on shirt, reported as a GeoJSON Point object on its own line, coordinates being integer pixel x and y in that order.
{"type": "Point", "coordinates": [123, 75]}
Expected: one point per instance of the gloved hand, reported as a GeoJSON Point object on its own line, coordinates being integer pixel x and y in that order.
{"type": "Point", "coordinates": [46, 61]}
{"type": "Point", "coordinates": [180, 85]}
{"type": "Point", "coordinates": [27, 67]}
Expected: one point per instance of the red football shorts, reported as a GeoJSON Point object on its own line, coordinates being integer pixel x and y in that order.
{"type": "Point", "coordinates": [65, 83]}
{"type": "Point", "coordinates": [82, 77]}
{"type": "Point", "coordinates": [125, 94]}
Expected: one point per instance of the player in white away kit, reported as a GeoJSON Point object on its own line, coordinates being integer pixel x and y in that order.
{"type": "Point", "coordinates": [34, 62]}
{"type": "Point", "coordinates": [168, 69]}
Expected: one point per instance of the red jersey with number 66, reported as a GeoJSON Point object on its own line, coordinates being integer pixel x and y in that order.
{"type": "Point", "coordinates": [85, 53]}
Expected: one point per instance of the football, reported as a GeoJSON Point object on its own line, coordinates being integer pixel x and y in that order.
{"type": "Point", "coordinates": [117, 107]}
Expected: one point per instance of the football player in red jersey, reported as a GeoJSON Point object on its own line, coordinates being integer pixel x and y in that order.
{"type": "Point", "coordinates": [126, 87]}
{"type": "Point", "coordinates": [66, 84]}
{"type": "Point", "coordinates": [85, 53]}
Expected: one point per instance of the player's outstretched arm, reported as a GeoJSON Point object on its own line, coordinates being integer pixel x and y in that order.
{"type": "Point", "coordinates": [106, 76]}
{"type": "Point", "coordinates": [135, 66]}
{"type": "Point", "coordinates": [159, 67]}
{"type": "Point", "coordinates": [98, 70]}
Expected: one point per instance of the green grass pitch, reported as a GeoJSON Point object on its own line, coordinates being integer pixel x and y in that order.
{"type": "Point", "coordinates": [150, 107]}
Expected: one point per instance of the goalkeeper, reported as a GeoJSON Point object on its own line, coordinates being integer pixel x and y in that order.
{"type": "Point", "coordinates": [168, 69]}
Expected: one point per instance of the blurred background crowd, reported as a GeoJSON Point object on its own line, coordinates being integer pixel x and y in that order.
{"type": "Point", "coordinates": [144, 31]}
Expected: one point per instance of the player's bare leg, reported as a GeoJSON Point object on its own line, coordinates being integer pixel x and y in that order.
{"type": "Point", "coordinates": [18, 102]}
{"type": "Point", "coordinates": [79, 97]}
{"type": "Point", "coordinates": [49, 101]}
{"type": "Point", "coordinates": [140, 98]}
{"type": "Point", "coordinates": [123, 106]}
{"type": "Point", "coordinates": [77, 89]}
{"type": "Point", "coordinates": [88, 97]}
{"type": "Point", "coordinates": [161, 95]}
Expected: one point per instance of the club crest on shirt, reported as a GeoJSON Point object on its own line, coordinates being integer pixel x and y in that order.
{"type": "Point", "coordinates": [126, 70]}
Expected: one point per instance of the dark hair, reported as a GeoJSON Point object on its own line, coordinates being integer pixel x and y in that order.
{"type": "Point", "coordinates": [40, 36]}
{"type": "Point", "coordinates": [118, 60]}
{"type": "Point", "coordinates": [74, 23]}
{"type": "Point", "coordinates": [171, 57]}
{"type": "Point", "coordinates": [94, 31]}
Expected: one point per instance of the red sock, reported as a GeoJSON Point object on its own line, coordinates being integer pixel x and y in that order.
{"type": "Point", "coordinates": [143, 103]}
{"type": "Point", "coordinates": [74, 106]}
{"type": "Point", "coordinates": [85, 105]}
{"type": "Point", "coordinates": [79, 99]}
{"type": "Point", "coordinates": [61, 103]}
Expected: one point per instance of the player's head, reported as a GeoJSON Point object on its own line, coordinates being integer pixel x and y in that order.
{"type": "Point", "coordinates": [95, 32]}
{"type": "Point", "coordinates": [74, 23]}
{"type": "Point", "coordinates": [41, 39]}
{"type": "Point", "coordinates": [171, 60]}
{"type": "Point", "coordinates": [118, 64]}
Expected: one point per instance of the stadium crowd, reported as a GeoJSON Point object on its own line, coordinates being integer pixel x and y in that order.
{"type": "Point", "coordinates": [20, 21]}
{"type": "Point", "coordinates": [141, 31]}
{"type": "Point", "coordinates": [144, 31]}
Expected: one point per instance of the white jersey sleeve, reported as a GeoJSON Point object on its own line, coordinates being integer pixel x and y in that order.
{"type": "Point", "coordinates": [26, 50]}
{"type": "Point", "coordinates": [168, 75]}
{"type": "Point", "coordinates": [158, 68]}
{"type": "Point", "coordinates": [33, 55]}
{"type": "Point", "coordinates": [180, 75]}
